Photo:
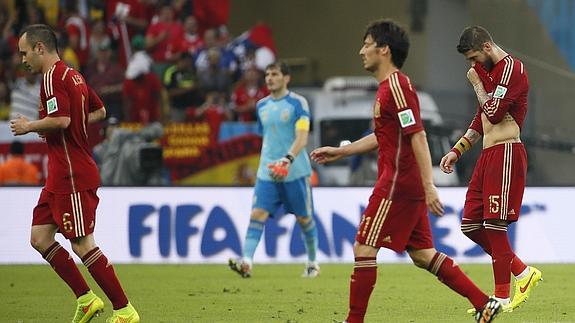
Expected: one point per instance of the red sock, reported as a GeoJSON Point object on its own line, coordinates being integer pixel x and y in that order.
{"type": "Point", "coordinates": [502, 256]}
{"type": "Point", "coordinates": [65, 267]}
{"type": "Point", "coordinates": [480, 237]}
{"type": "Point", "coordinates": [477, 234]}
{"type": "Point", "coordinates": [360, 287]}
{"type": "Point", "coordinates": [449, 273]}
{"type": "Point", "coordinates": [104, 275]}
{"type": "Point", "coordinates": [517, 266]}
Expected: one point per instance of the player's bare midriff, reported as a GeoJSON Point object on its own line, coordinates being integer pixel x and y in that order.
{"type": "Point", "coordinates": [505, 131]}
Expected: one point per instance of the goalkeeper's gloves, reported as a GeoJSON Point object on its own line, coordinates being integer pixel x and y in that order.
{"type": "Point", "coordinates": [280, 168]}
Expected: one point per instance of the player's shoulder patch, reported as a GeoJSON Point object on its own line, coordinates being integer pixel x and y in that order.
{"type": "Point", "coordinates": [406, 118]}
{"type": "Point", "coordinates": [52, 105]}
{"type": "Point", "coordinates": [499, 92]}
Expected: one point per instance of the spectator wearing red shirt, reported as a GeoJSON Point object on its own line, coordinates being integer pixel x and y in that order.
{"type": "Point", "coordinates": [127, 18]}
{"type": "Point", "coordinates": [248, 92]}
{"type": "Point", "coordinates": [192, 42]}
{"type": "Point", "coordinates": [78, 32]}
{"type": "Point", "coordinates": [142, 90]}
{"type": "Point", "coordinates": [164, 36]}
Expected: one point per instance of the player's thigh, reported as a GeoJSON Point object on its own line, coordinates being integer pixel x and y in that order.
{"type": "Point", "coordinates": [389, 224]}
{"type": "Point", "coordinates": [504, 182]}
{"type": "Point", "coordinates": [266, 196]}
{"type": "Point", "coordinates": [473, 207]}
{"type": "Point", "coordinates": [75, 213]}
{"type": "Point", "coordinates": [297, 197]}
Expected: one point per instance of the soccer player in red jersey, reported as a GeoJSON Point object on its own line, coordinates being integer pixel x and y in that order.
{"type": "Point", "coordinates": [68, 201]}
{"type": "Point", "coordinates": [396, 216]}
{"type": "Point", "coordinates": [496, 188]}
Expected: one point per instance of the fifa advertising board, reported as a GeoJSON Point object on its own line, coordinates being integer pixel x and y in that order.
{"type": "Point", "coordinates": [208, 225]}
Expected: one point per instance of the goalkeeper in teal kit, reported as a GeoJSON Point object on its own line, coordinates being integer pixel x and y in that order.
{"type": "Point", "coordinates": [284, 169]}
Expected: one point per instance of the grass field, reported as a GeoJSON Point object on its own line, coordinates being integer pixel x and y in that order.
{"type": "Point", "coordinates": [276, 293]}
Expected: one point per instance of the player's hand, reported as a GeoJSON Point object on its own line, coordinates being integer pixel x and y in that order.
{"type": "Point", "coordinates": [432, 200]}
{"type": "Point", "coordinates": [19, 126]}
{"type": "Point", "coordinates": [326, 154]}
{"type": "Point", "coordinates": [473, 77]}
{"type": "Point", "coordinates": [279, 169]}
{"type": "Point", "coordinates": [447, 162]}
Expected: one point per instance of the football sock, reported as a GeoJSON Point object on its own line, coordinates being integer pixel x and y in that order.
{"type": "Point", "coordinates": [360, 287]}
{"type": "Point", "coordinates": [310, 236]}
{"type": "Point", "coordinates": [502, 256]}
{"type": "Point", "coordinates": [103, 273]}
{"type": "Point", "coordinates": [65, 267]}
{"type": "Point", "coordinates": [479, 236]}
{"type": "Point", "coordinates": [255, 230]}
{"type": "Point", "coordinates": [476, 233]}
{"type": "Point", "coordinates": [518, 268]}
{"type": "Point", "coordinates": [449, 273]}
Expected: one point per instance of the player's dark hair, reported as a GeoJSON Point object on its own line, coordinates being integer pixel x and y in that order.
{"type": "Point", "coordinates": [40, 33]}
{"type": "Point", "coordinates": [282, 66]}
{"type": "Point", "coordinates": [473, 38]}
{"type": "Point", "coordinates": [387, 32]}
{"type": "Point", "coordinates": [16, 148]}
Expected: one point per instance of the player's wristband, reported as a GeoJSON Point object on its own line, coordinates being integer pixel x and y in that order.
{"type": "Point", "coordinates": [462, 146]}
{"type": "Point", "coordinates": [290, 157]}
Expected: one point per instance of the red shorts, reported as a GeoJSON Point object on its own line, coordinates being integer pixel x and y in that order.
{"type": "Point", "coordinates": [397, 225]}
{"type": "Point", "coordinates": [497, 184]}
{"type": "Point", "coordinates": [74, 214]}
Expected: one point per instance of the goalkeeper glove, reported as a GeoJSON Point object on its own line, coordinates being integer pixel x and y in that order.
{"type": "Point", "coordinates": [280, 168]}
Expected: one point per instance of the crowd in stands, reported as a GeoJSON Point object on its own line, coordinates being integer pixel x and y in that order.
{"type": "Point", "coordinates": [149, 60]}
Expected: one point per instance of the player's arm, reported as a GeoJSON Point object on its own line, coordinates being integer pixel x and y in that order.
{"type": "Point", "coordinates": [22, 126]}
{"type": "Point", "coordinates": [279, 169]}
{"type": "Point", "coordinates": [328, 154]}
{"type": "Point", "coordinates": [97, 115]}
{"type": "Point", "coordinates": [423, 158]}
{"type": "Point", "coordinates": [97, 111]}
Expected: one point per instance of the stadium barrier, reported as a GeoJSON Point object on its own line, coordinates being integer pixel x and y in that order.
{"type": "Point", "coordinates": [208, 224]}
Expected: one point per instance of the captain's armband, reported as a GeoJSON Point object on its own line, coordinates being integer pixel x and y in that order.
{"type": "Point", "coordinates": [462, 146]}
{"type": "Point", "coordinates": [302, 124]}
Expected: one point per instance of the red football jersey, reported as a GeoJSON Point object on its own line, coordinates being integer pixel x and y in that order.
{"type": "Point", "coordinates": [397, 116]}
{"type": "Point", "coordinates": [64, 93]}
{"type": "Point", "coordinates": [508, 87]}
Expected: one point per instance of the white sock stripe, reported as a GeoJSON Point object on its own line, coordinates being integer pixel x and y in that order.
{"type": "Point", "coordinates": [92, 259]}
{"type": "Point", "coordinates": [438, 261]}
{"type": "Point", "coordinates": [51, 254]}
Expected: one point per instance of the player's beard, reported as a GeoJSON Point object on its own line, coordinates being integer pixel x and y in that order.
{"type": "Point", "coordinates": [488, 64]}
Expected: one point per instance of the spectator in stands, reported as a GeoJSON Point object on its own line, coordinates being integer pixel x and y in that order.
{"type": "Point", "coordinates": [227, 59]}
{"type": "Point", "coordinates": [98, 37]}
{"type": "Point", "coordinates": [4, 101]}
{"type": "Point", "coordinates": [192, 42]}
{"type": "Point", "coordinates": [25, 95]}
{"type": "Point", "coordinates": [16, 170]}
{"type": "Point", "coordinates": [163, 36]}
{"type": "Point", "coordinates": [126, 19]}
{"type": "Point", "coordinates": [248, 92]}
{"type": "Point", "coordinates": [214, 78]}
{"type": "Point", "coordinates": [77, 31]}
{"type": "Point", "coordinates": [213, 111]}
{"type": "Point", "coordinates": [68, 55]}
{"type": "Point", "coordinates": [7, 39]}
{"type": "Point", "coordinates": [142, 88]}
{"type": "Point", "coordinates": [106, 77]}
{"type": "Point", "coordinates": [182, 85]}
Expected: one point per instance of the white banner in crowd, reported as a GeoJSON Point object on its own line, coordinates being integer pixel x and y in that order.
{"type": "Point", "coordinates": [208, 225]}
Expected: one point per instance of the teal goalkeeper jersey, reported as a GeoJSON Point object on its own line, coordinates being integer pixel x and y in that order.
{"type": "Point", "coordinates": [276, 121]}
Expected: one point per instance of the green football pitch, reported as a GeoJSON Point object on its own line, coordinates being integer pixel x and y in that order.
{"type": "Point", "coordinates": [276, 293]}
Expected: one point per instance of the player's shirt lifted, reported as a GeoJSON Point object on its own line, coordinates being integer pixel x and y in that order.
{"type": "Point", "coordinates": [276, 121]}
{"type": "Point", "coordinates": [64, 93]}
{"type": "Point", "coordinates": [508, 86]}
{"type": "Point", "coordinates": [396, 115]}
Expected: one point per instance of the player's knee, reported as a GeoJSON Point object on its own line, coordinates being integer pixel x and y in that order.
{"type": "Point", "coordinates": [259, 215]}
{"type": "Point", "coordinates": [362, 250]}
{"type": "Point", "coordinates": [422, 257]}
{"type": "Point", "coordinates": [40, 243]}
{"type": "Point", "coordinates": [303, 220]}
